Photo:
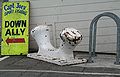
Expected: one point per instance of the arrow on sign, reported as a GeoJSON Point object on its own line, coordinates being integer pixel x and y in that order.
{"type": "Point", "coordinates": [15, 40]}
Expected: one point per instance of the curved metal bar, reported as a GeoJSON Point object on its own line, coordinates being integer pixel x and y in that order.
{"type": "Point", "coordinates": [92, 35]}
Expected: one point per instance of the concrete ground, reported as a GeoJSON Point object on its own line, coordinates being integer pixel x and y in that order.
{"type": "Point", "coordinates": [22, 66]}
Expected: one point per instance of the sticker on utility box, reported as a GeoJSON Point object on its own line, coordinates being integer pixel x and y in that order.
{"type": "Point", "coordinates": [15, 28]}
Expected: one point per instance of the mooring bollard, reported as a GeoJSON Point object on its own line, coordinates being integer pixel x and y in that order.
{"type": "Point", "coordinates": [70, 38]}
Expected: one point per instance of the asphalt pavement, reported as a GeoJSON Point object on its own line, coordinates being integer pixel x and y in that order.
{"type": "Point", "coordinates": [22, 66]}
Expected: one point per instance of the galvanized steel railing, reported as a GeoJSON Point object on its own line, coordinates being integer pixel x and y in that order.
{"type": "Point", "coordinates": [92, 36]}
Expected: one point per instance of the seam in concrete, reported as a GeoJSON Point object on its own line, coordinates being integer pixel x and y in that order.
{"type": "Point", "coordinates": [62, 72]}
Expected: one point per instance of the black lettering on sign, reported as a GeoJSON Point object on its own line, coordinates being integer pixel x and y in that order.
{"type": "Point", "coordinates": [12, 24]}
{"type": "Point", "coordinates": [18, 23]}
{"type": "Point", "coordinates": [23, 23]}
{"type": "Point", "coordinates": [8, 32]}
{"type": "Point", "coordinates": [15, 32]}
{"type": "Point", "coordinates": [6, 24]}
{"type": "Point", "coordinates": [15, 27]}
{"type": "Point", "coordinates": [22, 31]}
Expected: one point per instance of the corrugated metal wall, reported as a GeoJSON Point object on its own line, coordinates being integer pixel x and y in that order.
{"type": "Point", "coordinates": [77, 14]}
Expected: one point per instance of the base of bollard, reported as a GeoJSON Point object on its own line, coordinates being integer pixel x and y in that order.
{"type": "Point", "coordinates": [56, 60]}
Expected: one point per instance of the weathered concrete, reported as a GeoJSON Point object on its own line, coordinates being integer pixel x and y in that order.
{"type": "Point", "coordinates": [21, 66]}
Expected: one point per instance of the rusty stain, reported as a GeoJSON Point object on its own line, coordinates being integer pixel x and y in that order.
{"type": "Point", "coordinates": [73, 32]}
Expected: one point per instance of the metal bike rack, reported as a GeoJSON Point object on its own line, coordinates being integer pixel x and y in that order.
{"type": "Point", "coordinates": [92, 36]}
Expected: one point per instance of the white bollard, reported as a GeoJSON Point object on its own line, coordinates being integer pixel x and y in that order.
{"type": "Point", "coordinates": [70, 38]}
{"type": "Point", "coordinates": [41, 35]}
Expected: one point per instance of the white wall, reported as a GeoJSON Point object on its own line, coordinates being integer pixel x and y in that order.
{"type": "Point", "coordinates": [77, 14]}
